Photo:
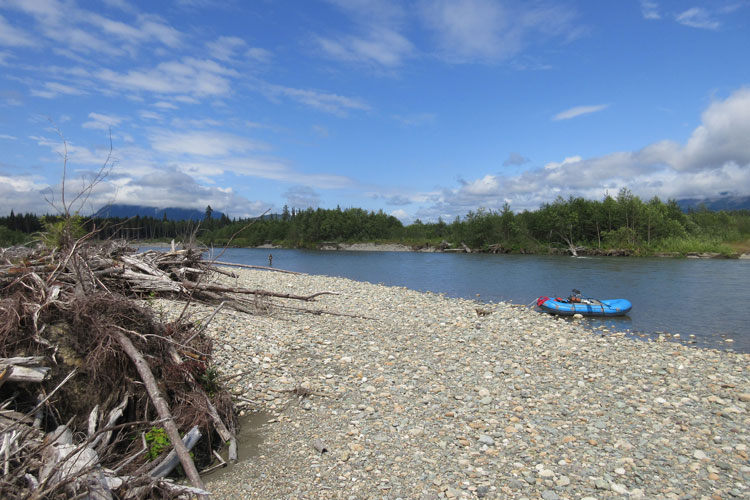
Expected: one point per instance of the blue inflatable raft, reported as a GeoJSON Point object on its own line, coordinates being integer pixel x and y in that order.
{"type": "Point", "coordinates": [584, 306]}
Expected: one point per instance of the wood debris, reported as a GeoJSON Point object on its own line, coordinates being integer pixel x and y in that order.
{"type": "Point", "coordinates": [90, 381]}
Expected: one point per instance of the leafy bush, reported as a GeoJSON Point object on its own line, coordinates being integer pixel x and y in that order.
{"type": "Point", "coordinates": [157, 441]}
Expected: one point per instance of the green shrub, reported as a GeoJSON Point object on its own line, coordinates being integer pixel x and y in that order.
{"type": "Point", "coordinates": [157, 441]}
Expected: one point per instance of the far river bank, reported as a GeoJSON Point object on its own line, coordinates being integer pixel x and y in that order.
{"type": "Point", "coordinates": [427, 248]}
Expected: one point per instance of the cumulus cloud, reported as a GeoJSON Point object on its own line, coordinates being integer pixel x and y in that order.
{"type": "Point", "coordinates": [401, 215]}
{"type": "Point", "coordinates": [22, 194]}
{"type": "Point", "coordinates": [715, 159]}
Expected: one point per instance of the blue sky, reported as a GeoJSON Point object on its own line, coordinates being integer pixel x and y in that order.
{"type": "Point", "coordinates": [423, 109]}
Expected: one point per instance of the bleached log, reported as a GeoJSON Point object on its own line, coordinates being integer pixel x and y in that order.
{"type": "Point", "coordinates": [102, 440]}
{"type": "Point", "coordinates": [24, 373]}
{"type": "Point", "coordinates": [227, 289]}
{"type": "Point", "coordinates": [62, 461]}
{"type": "Point", "coordinates": [152, 283]}
{"type": "Point", "coordinates": [22, 361]}
{"type": "Point", "coordinates": [93, 418]}
{"type": "Point", "coordinates": [154, 271]}
{"type": "Point", "coordinates": [171, 460]}
{"type": "Point", "coordinates": [176, 489]}
{"type": "Point", "coordinates": [162, 408]}
{"type": "Point", "coordinates": [263, 268]}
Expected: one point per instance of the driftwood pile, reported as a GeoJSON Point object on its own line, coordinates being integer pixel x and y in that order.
{"type": "Point", "coordinates": [94, 390]}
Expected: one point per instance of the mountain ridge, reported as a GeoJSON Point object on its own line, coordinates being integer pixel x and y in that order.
{"type": "Point", "coordinates": [172, 213]}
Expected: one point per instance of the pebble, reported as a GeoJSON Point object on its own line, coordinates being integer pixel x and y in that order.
{"type": "Point", "coordinates": [416, 396]}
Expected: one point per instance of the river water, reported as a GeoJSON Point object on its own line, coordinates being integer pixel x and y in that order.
{"type": "Point", "coordinates": [704, 302]}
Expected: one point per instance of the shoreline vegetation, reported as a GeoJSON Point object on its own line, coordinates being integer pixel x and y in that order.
{"type": "Point", "coordinates": [615, 226]}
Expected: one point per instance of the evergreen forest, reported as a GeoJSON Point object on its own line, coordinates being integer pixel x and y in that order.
{"type": "Point", "coordinates": [621, 225]}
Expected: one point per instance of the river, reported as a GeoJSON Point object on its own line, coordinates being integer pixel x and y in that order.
{"type": "Point", "coordinates": [703, 302]}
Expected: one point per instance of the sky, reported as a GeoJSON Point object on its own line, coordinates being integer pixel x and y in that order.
{"type": "Point", "coordinates": [424, 109]}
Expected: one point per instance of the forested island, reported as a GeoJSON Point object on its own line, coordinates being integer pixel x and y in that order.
{"type": "Point", "coordinates": [621, 225]}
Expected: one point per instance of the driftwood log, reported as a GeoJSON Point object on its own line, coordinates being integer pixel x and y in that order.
{"type": "Point", "coordinates": [162, 408]}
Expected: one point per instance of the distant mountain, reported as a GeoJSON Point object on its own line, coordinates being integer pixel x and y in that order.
{"type": "Point", "coordinates": [173, 213]}
{"type": "Point", "coordinates": [716, 204]}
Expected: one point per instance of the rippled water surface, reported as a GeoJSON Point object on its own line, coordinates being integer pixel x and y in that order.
{"type": "Point", "coordinates": [704, 298]}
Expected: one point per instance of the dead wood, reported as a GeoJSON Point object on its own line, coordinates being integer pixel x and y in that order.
{"type": "Point", "coordinates": [80, 311]}
{"type": "Point", "coordinates": [263, 268]}
{"type": "Point", "coordinates": [227, 289]}
{"type": "Point", "coordinates": [162, 408]}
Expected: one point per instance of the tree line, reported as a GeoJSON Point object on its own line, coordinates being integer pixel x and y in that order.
{"type": "Point", "coordinates": [623, 222]}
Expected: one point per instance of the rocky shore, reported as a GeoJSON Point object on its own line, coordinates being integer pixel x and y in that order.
{"type": "Point", "coordinates": [389, 393]}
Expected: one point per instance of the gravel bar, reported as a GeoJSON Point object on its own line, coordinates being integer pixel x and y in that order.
{"type": "Point", "coordinates": [385, 393]}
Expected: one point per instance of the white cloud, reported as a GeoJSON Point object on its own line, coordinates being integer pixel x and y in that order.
{"type": "Point", "coordinates": [380, 47]}
{"type": "Point", "coordinates": [377, 40]}
{"type": "Point", "coordinates": [225, 47]}
{"type": "Point", "coordinates": [22, 194]}
{"type": "Point", "coordinates": [698, 17]}
{"type": "Point", "coordinates": [715, 159]}
{"type": "Point", "coordinates": [150, 115]}
{"type": "Point", "coordinates": [102, 122]}
{"type": "Point", "coordinates": [51, 90]}
{"type": "Point", "coordinates": [14, 37]}
{"type": "Point", "coordinates": [258, 54]}
{"type": "Point", "coordinates": [489, 31]}
{"type": "Point", "coordinates": [228, 48]}
{"type": "Point", "coordinates": [203, 143]}
{"type": "Point", "coordinates": [8, 137]}
{"type": "Point", "coordinates": [567, 161]}
{"type": "Point", "coordinates": [578, 111]}
{"type": "Point", "coordinates": [77, 31]}
{"type": "Point", "coordinates": [722, 138]}
{"type": "Point", "coordinates": [486, 186]}
{"type": "Point", "coordinates": [650, 9]}
{"type": "Point", "coordinates": [165, 105]}
{"type": "Point", "coordinates": [401, 215]}
{"type": "Point", "coordinates": [189, 77]}
{"type": "Point", "coordinates": [323, 101]}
